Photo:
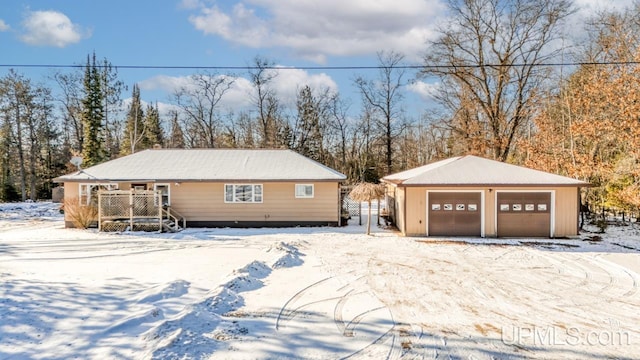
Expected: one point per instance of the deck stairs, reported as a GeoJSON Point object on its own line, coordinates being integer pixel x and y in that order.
{"type": "Point", "coordinates": [172, 221]}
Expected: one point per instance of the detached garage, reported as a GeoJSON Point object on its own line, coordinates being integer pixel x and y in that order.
{"type": "Point", "coordinates": [477, 197]}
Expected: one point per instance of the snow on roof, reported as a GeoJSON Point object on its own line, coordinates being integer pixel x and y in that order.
{"type": "Point", "coordinates": [473, 170]}
{"type": "Point", "coordinates": [208, 165]}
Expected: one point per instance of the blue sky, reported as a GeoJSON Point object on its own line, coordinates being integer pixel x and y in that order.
{"type": "Point", "coordinates": [296, 33]}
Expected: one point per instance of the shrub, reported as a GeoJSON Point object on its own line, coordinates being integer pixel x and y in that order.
{"type": "Point", "coordinates": [602, 225]}
{"type": "Point", "coordinates": [8, 193]}
{"type": "Point", "coordinates": [82, 216]}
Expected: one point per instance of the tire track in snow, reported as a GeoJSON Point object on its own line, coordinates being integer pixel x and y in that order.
{"type": "Point", "coordinates": [400, 341]}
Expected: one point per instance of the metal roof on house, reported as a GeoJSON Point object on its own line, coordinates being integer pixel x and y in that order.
{"type": "Point", "coordinates": [208, 165]}
{"type": "Point", "coordinates": [473, 170]}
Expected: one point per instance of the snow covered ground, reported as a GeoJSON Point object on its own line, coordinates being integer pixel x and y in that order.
{"type": "Point", "coordinates": [310, 293]}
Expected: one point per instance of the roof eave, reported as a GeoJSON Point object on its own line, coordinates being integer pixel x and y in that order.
{"type": "Point", "coordinates": [62, 180]}
{"type": "Point", "coordinates": [401, 184]}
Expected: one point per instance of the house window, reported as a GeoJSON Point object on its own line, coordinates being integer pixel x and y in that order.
{"type": "Point", "coordinates": [243, 193]}
{"type": "Point", "coordinates": [304, 190]}
{"type": "Point", "coordinates": [88, 193]}
{"type": "Point", "coordinates": [164, 192]}
{"type": "Point", "coordinates": [139, 187]}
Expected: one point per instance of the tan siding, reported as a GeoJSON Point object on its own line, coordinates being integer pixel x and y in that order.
{"type": "Point", "coordinates": [416, 211]}
{"type": "Point", "coordinates": [400, 213]}
{"type": "Point", "coordinates": [566, 216]}
{"type": "Point", "coordinates": [205, 202]}
{"type": "Point", "coordinates": [413, 223]}
{"type": "Point", "coordinates": [565, 211]}
{"type": "Point", "coordinates": [417, 222]}
{"type": "Point", "coordinates": [71, 191]}
{"type": "Point", "coordinates": [490, 213]}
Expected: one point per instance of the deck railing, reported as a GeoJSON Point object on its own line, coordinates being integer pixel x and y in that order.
{"type": "Point", "coordinates": [175, 217]}
{"type": "Point", "coordinates": [119, 210]}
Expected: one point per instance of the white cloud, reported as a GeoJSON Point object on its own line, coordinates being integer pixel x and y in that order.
{"type": "Point", "coordinates": [51, 28]}
{"type": "Point", "coordinates": [290, 81]}
{"type": "Point", "coordinates": [286, 85]}
{"type": "Point", "coordinates": [425, 90]}
{"type": "Point", "coordinates": [317, 29]}
{"type": "Point", "coordinates": [189, 4]}
{"type": "Point", "coordinates": [593, 6]}
{"type": "Point", "coordinates": [237, 97]}
{"type": "Point", "coordinates": [3, 25]}
{"type": "Point", "coordinates": [165, 83]}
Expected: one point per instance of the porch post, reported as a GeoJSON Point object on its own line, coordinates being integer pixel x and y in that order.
{"type": "Point", "coordinates": [158, 198]}
{"type": "Point", "coordinates": [131, 210]}
{"type": "Point", "coordinates": [99, 211]}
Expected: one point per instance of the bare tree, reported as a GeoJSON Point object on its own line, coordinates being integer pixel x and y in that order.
{"type": "Point", "coordinates": [266, 101]}
{"type": "Point", "coordinates": [70, 99]}
{"type": "Point", "coordinates": [200, 104]}
{"type": "Point", "coordinates": [384, 95]}
{"type": "Point", "coordinates": [26, 110]}
{"type": "Point", "coordinates": [490, 60]}
{"type": "Point", "coordinates": [340, 128]}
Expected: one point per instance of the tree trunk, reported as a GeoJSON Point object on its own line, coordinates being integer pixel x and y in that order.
{"type": "Point", "coordinates": [23, 171]}
{"type": "Point", "coordinates": [369, 219]}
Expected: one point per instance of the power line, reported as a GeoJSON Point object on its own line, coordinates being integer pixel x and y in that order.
{"type": "Point", "coordinates": [355, 67]}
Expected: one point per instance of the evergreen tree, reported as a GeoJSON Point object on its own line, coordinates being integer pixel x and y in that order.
{"type": "Point", "coordinates": [93, 151]}
{"type": "Point", "coordinates": [309, 134]}
{"type": "Point", "coordinates": [153, 130]}
{"type": "Point", "coordinates": [111, 89]}
{"type": "Point", "coordinates": [134, 130]}
{"type": "Point", "coordinates": [176, 138]}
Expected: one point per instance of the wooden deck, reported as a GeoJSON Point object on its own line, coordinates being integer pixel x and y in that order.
{"type": "Point", "coordinates": [136, 211]}
{"type": "Point", "coordinates": [139, 224]}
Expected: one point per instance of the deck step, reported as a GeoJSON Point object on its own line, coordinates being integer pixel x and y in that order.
{"type": "Point", "coordinates": [170, 226]}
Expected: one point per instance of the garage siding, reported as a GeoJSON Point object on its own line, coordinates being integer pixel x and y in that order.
{"type": "Point", "coordinates": [414, 222]}
{"type": "Point", "coordinates": [415, 211]}
{"type": "Point", "coordinates": [567, 212]}
{"type": "Point", "coordinates": [400, 213]}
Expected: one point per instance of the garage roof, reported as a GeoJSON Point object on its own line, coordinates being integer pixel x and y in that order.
{"type": "Point", "coordinates": [208, 165]}
{"type": "Point", "coordinates": [474, 170]}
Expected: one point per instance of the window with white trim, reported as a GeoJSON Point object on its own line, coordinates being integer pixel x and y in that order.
{"type": "Point", "coordinates": [164, 193]}
{"type": "Point", "coordinates": [88, 193]}
{"type": "Point", "coordinates": [243, 193]}
{"type": "Point", "coordinates": [304, 190]}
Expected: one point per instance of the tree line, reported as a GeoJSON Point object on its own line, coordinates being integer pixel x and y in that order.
{"type": "Point", "coordinates": [498, 95]}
